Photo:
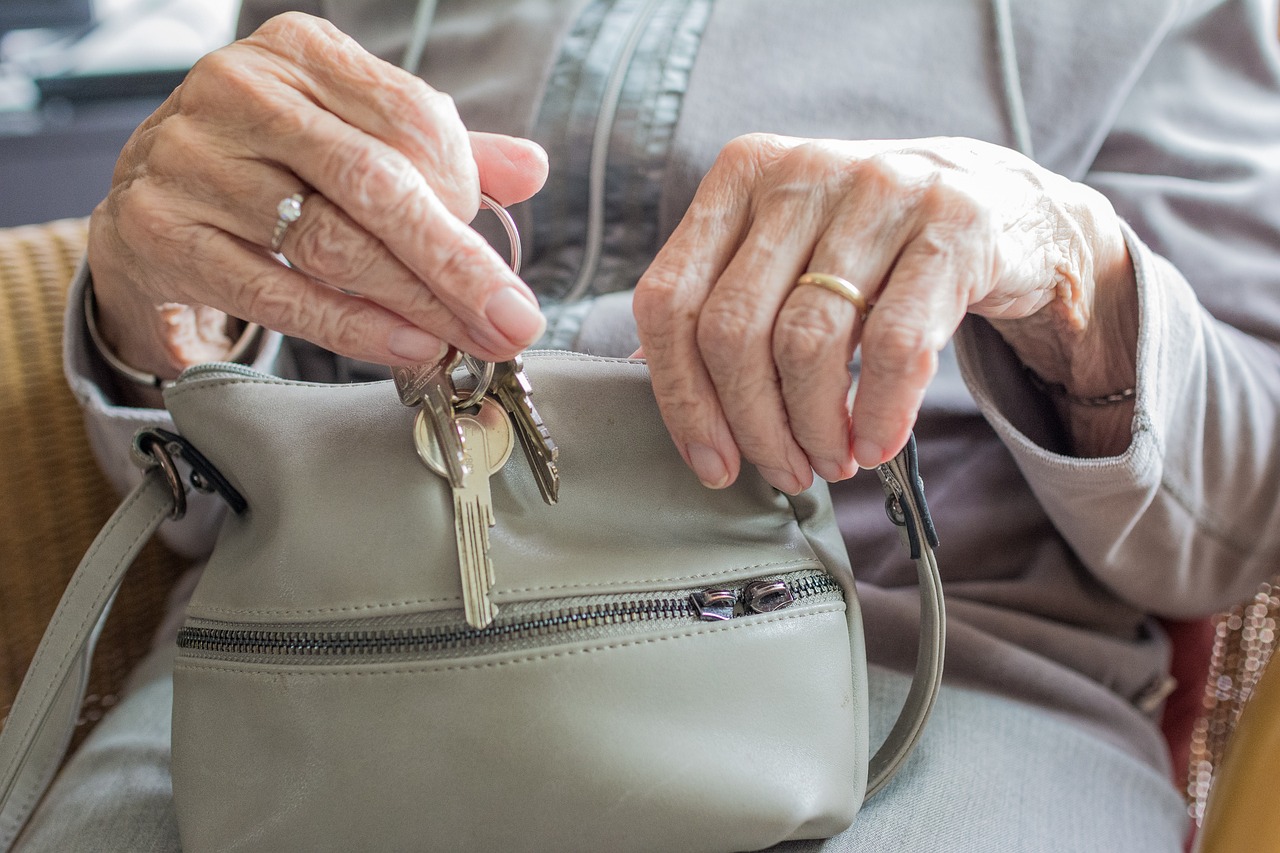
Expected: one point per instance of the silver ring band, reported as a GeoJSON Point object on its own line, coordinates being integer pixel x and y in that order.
{"type": "Point", "coordinates": [288, 211]}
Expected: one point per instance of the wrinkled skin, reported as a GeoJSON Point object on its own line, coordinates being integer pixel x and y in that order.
{"type": "Point", "coordinates": [396, 176]}
{"type": "Point", "coordinates": [745, 364]}
{"type": "Point", "coordinates": [929, 230]}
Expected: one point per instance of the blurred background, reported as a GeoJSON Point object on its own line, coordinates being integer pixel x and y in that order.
{"type": "Point", "coordinates": [76, 78]}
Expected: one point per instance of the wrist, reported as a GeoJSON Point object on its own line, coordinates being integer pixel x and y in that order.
{"type": "Point", "coordinates": [149, 344]}
{"type": "Point", "coordinates": [1082, 347]}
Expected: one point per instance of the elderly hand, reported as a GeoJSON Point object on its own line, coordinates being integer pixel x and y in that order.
{"type": "Point", "coordinates": [385, 267]}
{"type": "Point", "coordinates": [744, 361]}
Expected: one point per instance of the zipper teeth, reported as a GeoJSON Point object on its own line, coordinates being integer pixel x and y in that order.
{"type": "Point", "coordinates": [223, 368]}
{"type": "Point", "coordinates": [453, 637]}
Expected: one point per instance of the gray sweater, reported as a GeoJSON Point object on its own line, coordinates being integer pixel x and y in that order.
{"type": "Point", "coordinates": [1054, 566]}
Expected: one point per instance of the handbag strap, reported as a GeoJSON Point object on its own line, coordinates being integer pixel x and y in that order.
{"type": "Point", "coordinates": [43, 716]}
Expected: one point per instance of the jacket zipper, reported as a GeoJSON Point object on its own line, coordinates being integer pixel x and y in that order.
{"type": "Point", "coordinates": [599, 614]}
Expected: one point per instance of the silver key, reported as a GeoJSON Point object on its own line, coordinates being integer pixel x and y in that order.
{"type": "Point", "coordinates": [511, 386]}
{"type": "Point", "coordinates": [489, 441]}
{"type": "Point", "coordinates": [431, 385]}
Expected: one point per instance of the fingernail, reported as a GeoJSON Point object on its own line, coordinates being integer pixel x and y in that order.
{"type": "Point", "coordinates": [783, 481]}
{"type": "Point", "coordinates": [868, 453]}
{"type": "Point", "coordinates": [830, 471]}
{"type": "Point", "coordinates": [708, 465]}
{"type": "Point", "coordinates": [515, 316]}
{"type": "Point", "coordinates": [410, 342]}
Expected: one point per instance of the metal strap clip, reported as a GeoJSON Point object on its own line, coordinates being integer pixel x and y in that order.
{"type": "Point", "coordinates": [155, 447]}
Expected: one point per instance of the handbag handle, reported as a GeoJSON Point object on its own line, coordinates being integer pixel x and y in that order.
{"type": "Point", "coordinates": [906, 507]}
{"type": "Point", "coordinates": [43, 716]}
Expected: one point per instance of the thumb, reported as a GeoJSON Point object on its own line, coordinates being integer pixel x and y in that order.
{"type": "Point", "coordinates": [511, 169]}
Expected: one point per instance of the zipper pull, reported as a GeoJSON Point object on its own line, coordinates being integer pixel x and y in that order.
{"type": "Point", "coordinates": [763, 596]}
{"type": "Point", "coordinates": [715, 605]}
{"type": "Point", "coordinates": [767, 596]}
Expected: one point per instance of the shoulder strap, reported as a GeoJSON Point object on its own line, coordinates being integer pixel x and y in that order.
{"type": "Point", "coordinates": [44, 713]}
{"type": "Point", "coordinates": [40, 723]}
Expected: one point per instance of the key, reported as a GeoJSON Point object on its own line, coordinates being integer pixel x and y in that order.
{"type": "Point", "coordinates": [489, 441]}
{"type": "Point", "coordinates": [431, 385]}
{"type": "Point", "coordinates": [511, 386]}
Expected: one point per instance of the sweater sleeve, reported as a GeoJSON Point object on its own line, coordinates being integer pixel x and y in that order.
{"type": "Point", "coordinates": [110, 424]}
{"type": "Point", "coordinates": [1187, 519]}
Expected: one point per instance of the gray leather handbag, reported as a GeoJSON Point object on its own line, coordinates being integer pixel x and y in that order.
{"type": "Point", "coordinates": [670, 668]}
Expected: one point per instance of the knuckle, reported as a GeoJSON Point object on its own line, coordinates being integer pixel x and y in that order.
{"type": "Point", "coordinates": [293, 29]}
{"type": "Point", "coordinates": [233, 83]}
{"type": "Point", "coordinates": [896, 350]}
{"type": "Point", "coordinates": [812, 161]}
{"type": "Point", "coordinates": [261, 298]}
{"type": "Point", "coordinates": [223, 76]}
{"type": "Point", "coordinates": [256, 300]}
{"type": "Point", "coordinates": [378, 178]}
{"type": "Point", "coordinates": [877, 176]}
{"type": "Point", "coordinates": [804, 336]}
{"type": "Point", "coordinates": [463, 261]}
{"type": "Point", "coordinates": [655, 302]}
{"type": "Point", "coordinates": [677, 394]}
{"type": "Point", "coordinates": [210, 69]}
{"type": "Point", "coordinates": [744, 154]}
{"type": "Point", "coordinates": [168, 147]}
{"type": "Point", "coordinates": [333, 249]}
{"type": "Point", "coordinates": [423, 307]}
{"type": "Point", "coordinates": [283, 124]}
{"type": "Point", "coordinates": [347, 332]}
{"type": "Point", "coordinates": [433, 102]}
{"type": "Point", "coordinates": [143, 215]}
{"type": "Point", "coordinates": [951, 198]}
{"type": "Point", "coordinates": [727, 333]}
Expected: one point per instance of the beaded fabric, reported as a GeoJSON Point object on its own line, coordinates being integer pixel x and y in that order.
{"type": "Point", "coordinates": [1244, 639]}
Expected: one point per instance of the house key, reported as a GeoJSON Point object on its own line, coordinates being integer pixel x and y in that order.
{"type": "Point", "coordinates": [431, 385]}
{"type": "Point", "coordinates": [512, 388]}
{"type": "Point", "coordinates": [488, 442]}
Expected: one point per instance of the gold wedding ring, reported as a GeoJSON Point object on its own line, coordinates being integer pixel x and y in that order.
{"type": "Point", "coordinates": [840, 287]}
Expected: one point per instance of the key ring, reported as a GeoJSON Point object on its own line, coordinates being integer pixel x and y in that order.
{"type": "Point", "coordinates": [483, 370]}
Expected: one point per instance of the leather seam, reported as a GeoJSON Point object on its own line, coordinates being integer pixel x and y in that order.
{"type": "Point", "coordinates": [196, 610]}
{"type": "Point", "coordinates": [197, 665]}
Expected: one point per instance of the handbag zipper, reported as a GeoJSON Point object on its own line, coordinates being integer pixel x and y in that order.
{"type": "Point", "coordinates": [445, 634]}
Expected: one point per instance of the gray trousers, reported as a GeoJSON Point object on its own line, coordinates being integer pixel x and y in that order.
{"type": "Point", "coordinates": [991, 775]}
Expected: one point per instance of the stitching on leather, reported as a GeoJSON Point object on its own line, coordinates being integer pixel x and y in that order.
{"type": "Point", "coordinates": [196, 665]}
{"type": "Point", "coordinates": [777, 564]}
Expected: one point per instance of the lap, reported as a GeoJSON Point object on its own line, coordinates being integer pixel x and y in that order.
{"type": "Point", "coordinates": [991, 774]}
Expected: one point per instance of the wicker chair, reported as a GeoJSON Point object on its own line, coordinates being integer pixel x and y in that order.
{"type": "Point", "coordinates": [54, 497]}
{"type": "Point", "coordinates": [56, 501]}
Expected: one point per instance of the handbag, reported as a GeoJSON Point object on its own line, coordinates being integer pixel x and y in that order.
{"type": "Point", "coordinates": [671, 667]}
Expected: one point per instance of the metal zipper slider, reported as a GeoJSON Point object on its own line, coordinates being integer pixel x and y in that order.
{"type": "Point", "coordinates": [762, 596]}
{"type": "Point", "coordinates": [767, 596]}
{"type": "Point", "coordinates": [715, 605]}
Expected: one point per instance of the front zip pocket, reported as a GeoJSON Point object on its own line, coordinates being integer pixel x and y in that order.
{"type": "Point", "coordinates": [444, 634]}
